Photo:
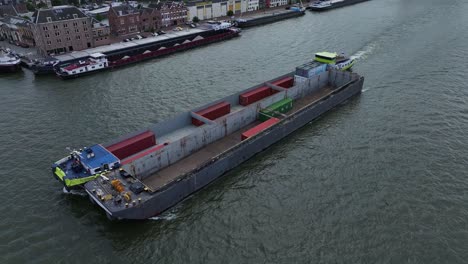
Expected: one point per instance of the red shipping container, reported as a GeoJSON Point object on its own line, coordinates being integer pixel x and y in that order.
{"type": "Point", "coordinates": [287, 82]}
{"type": "Point", "coordinates": [133, 145]}
{"type": "Point", "coordinates": [254, 95]}
{"type": "Point", "coordinates": [215, 111]}
{"type": "Point", "coordinates": [259, 128]}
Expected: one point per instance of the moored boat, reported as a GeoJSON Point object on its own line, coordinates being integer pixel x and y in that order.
{"type": "Point", "coordinates": [146, 172]}
{"type": "Point", "coordinates": [262, 19]}
{"type": "Point", "coordinates": [95, 62]}
{"type": "Point", "coordinates": [9, 63]}
{"type": "Point", "coordinates": [324, 5]}
{"type": "Point", "coordinates": [120, 54]}
{"type": "Point", "coordinates": [44, 66]}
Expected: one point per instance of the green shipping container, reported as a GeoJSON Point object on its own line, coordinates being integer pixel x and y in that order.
{"type": "Point", "coordinates": [282, 106]}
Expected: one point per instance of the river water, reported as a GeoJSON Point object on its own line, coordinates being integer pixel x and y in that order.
{"type": "Point", "coordinates": [380, 179]}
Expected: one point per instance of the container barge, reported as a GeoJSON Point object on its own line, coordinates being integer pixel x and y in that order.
{"type": "Point", "coordinates": [142, 174]}
{"type": "Point", "coordinates": [324, 5]}
{"type": "Point", "coordinates": [261, 19]}
{"type": "Point", "coordinates": [74, 64]}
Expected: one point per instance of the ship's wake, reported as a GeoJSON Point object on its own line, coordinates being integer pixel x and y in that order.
{"type": "Point", "coordinates": [164, 217]}
{"type": "Point", "coordinates": [365, 52]}
{"type": "Point", "coordinates": [74, 192]}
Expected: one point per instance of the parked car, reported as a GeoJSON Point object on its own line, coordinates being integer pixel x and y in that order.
{"type": "Point", "coordinates": [154, 34]}
{"type": "Point", "coordinates": [160, 32]}
{"type": "Point", "coordinates": [138, 37]}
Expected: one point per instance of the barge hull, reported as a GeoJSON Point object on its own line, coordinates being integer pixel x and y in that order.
{"type": "Point", "coordinates": [269, 19]}
{"type": "Point", "coordinates": [337, 5]}
{"type": "Point", "coordinates": [202, 176]}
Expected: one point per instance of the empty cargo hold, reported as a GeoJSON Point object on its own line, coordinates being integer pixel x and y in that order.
{"type": "Point", "coordinates": [133, 145]}
{"type": "Point", "coordinates": [213, 112]}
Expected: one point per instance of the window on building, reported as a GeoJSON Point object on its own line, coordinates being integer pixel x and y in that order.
{"type": "Point", "coordinates": [49, 19]}
{"type": "Point", "coordinates": [84, 22]}
{"type": "Point", "coordinates": [131, 20]}
{"type": "Point", "coordinates": [122, 21]}
{"type": "Point", "coordinates": [59, 41]}
{"type": "Point", "coordinates": [85, 29]}
{"type": "Point", "coordinates": [49, 42]}
{"type": "Point", "coordinates": [65, 25]}
{"type": "Point", "coordinates": [68, 32]}
{"type": "Point", "coordinates": [47, 35]}
{"type": "Point", "coordinates": [86, 35]}
{"type": "Point", "coordinates": [77, 30]}
{"type": "Point", "coordinates": [75, 16]}
{"type": "Point", "coordinates": [45, 28]}
{"type": "Point", "coordinates": [78, 37]}
{"type": "Point", "coordinates": [68, 38]}
{"type": "Point", "coordinates": [75, 24]}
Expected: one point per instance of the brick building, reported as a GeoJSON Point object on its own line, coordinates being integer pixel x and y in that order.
{"type": "Point", "coordinates": [124, 20]}
{"type": "Point", "coordinates": [150, 19]}
{"type": "Point", "coordinates": [172, 13]}
{"type": "Point", "coordinates": [62, 29]}
{"type": "Point", "coordinates": [101, 33]}
{"type": "Point", "coordinates": [127, 20]}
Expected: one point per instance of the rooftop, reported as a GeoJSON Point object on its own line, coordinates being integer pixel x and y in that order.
{"type": "Point", "coordinates": [57, 13]}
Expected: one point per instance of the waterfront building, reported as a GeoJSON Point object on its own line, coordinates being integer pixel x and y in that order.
{"type": "Point", "coordinates": [253, 5]}
{"type": "Point", "coordinates": [150, 19]}
{"type": "Point", "coordinates": [101, 33]}
{"type": "Point", "coordinates": [275, 3]}
{"type": "Point", "coordinates": [172, 13]}
{"type": "Point", "coordinates": [62, 29]}
{"type": "Point", "coordinates": [17, 30]}
{"type": "Point", "coordinates": [124, 20]}
{"type": "Point", "coordinates": [207, 9]}
{"type": "Point", "coordinates": [127, 20]}
{"type": "Point", "coordinates": [238, 6]}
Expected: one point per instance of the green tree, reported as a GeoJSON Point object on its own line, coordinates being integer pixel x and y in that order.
{"type": "Point", "coordinates": [99, 17]}
{"type": "Point", "coordinates": [230, 13]}
{"type": "Point", "coordinates": [41, 5]}
{"type": "Point", "coordinates": [73, 2]}
{"type": "Point", "coordinates": [30, 7]}
{"type": "Point", "coordinates": [56, 2]}
{"type": "Point", "coordinates": [195, 19]}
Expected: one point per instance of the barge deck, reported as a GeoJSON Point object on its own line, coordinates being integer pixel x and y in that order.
{"type": "Point", "coordinates": [155, 168]}
{"type": "Point", "coordinates": [178, 170]}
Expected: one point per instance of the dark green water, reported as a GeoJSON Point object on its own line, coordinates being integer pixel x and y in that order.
{"type": "Point", "coordinates": [381, 179]}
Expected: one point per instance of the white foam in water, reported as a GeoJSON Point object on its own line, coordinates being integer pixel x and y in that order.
{"type": "Point", "coordinates": [167, 217]}
{"type": "Point", "coordinates": [362, 54]}
{"type": "Point", "coordinates": [74, 192]}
